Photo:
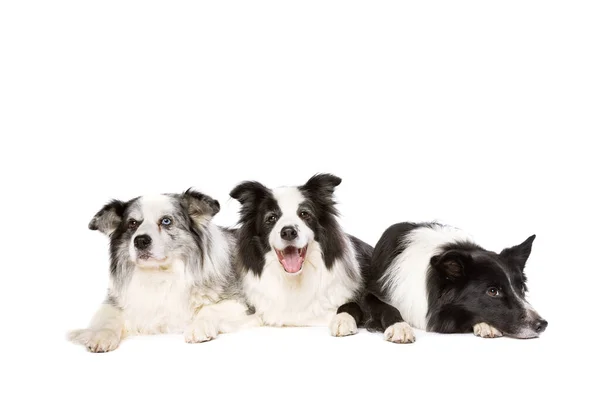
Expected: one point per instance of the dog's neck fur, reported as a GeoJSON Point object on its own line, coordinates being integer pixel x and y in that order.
{"type": "Point", "coordinates": [310, 298]}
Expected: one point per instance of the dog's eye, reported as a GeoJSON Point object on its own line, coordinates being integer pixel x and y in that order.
{"type": "Point", "coordinates": [493, 291]}
{"type": "Point", "coordinates": [271, 219]}
{"type": "Point", "coordinates": [132, 224]}
{"type": "Point", "coordinates": [304, 215]}
{"type": "Point", "coordinates": [165, 221]}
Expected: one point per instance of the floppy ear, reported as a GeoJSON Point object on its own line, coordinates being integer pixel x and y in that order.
{"type": "Point", "coordinates": [322, 184]}
{"type": "Point", "coordinates": [199, 206]}
{"type": "Point", "coordinates": [108, 218]}
{"type": "Point", "coordinates": [520, 253]}
{"type": "Point", "coordinates": [249, 192]}
{"type": "Point", "coordinates": [452, 263]}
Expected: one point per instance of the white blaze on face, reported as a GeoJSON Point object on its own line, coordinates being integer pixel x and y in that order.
{"type": "Point", "coordinates": [527, 331]}
{"type": "Point", "coordinates": [150, 212]}
{"type": "Point", "coordinates": [291, 253]}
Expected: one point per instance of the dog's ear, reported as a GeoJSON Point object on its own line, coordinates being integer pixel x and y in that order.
{"type": "Point", "coordinates": [249, 192]}
{"type": "Point", "coordinates": [452, 263]}
{"type": "Point", "coordinates": [322, 185]}
{"type": "Point", "coordinates": [518, 254]}
{"type": "Point", "coordinates": [200, 207]}
{"type": "Point", "coordinates": [108, 218]}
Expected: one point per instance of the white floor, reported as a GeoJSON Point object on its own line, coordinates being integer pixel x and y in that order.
{"type": "Point", "coordinates": [308, 363]}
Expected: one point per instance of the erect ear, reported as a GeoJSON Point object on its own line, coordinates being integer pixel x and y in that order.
{"type": "Point", "coordinates": [199, 206]}
{"type": "Point", "coordinates": [452, 263]}
{"type": "Point", "coordinates": [322, 184]}
{"type": "Point", "coordinates": [520, 253]}
{"type": "Point", "coordinates": [108, 218]}
{"type": "Point", "coordinates": [249, 192]}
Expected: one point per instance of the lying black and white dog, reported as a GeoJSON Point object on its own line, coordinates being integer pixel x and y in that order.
{"type": "Point", "coordinates": [170, 271]}
{"type": "Point", "coordinates": [438, 279]}
{"type": "Point", "coordinates": [298, 268]}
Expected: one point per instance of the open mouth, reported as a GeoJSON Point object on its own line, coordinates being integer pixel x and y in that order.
{"type": "Point", "coordinates": [291, 258]}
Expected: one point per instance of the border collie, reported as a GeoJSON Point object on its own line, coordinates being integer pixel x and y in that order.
{"type": "Point", "coordinates": [170, 272]}
{"type": "Point", "coordinates": [436, 278]}
{"type": "Point", "coordinates": [298, 268]}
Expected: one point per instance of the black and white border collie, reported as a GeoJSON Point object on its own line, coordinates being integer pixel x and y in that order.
{"type": "Point", "coordinates": [438, 279]}
{"type": "Point", "coordinates": [171, 271]}
{"type": "Point", "coordinates": [298, 268]}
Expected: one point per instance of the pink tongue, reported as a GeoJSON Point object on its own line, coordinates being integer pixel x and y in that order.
{"type": "Point", "coordinates": [292, 261]}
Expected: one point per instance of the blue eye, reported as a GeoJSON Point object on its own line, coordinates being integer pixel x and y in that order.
{"type": "Point", "coordinates": [166, 221]}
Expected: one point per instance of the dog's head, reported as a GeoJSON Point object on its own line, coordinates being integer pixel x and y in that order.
{"type": "Point", "coordinates": [490, 287]}
{"type": "Point", "coordinates": [287, 220]}
{"type": "Point", "coordinates": [153, 231]}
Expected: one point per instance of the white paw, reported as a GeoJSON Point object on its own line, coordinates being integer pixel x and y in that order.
{"type": "Point", "coordinates": [343, 324]}
{"type": "Point", "coordinates": [486, 331]}
{"type": "Point", "coordinates": [400, 332]}
{"type": "Point", "coordinates": [201, 331]}
{"type": "Point", "coordinates": [96, 341]}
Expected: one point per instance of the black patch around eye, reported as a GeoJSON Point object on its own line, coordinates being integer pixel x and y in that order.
{"type": "Point", "coordinates": [271, 218]}
{"type": "Point", "coordinates": [132, 224]}
{"type": "Point", "coordinates": [304, 214]}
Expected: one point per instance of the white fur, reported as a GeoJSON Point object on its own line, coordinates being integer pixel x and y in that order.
{"type": "Point", "coordinates": [400, 332]}
{"type": "Point", "coordinates": [222, 317]}
{"type": "Point", "coordinates": [152, 210]}
{"type": "Point", "coordinates": [343, 324]}
{"type": "Point", "coordinates": [531, 313]}
{"type": "Point", "coordinates": [308, 298]}
{"type": "Point", "coordinates": [157, 301]}
{"type": "Point", "coordinates": [486, 331]}
{"type": "Point", "coordinates": [164, 297]}
{"type": "Point", "coordinates": [104, 333]}
{"type": "Point", "coordinates": [407, 276]}
{"type": "Point", "coordinates": [288, 200]}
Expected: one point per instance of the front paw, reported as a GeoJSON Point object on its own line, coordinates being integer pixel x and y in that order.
{"type": "Point", "coordinates": [96, 341]}
{"type": "Point", "coordinates": [486, 331]}
{"type": "Point", "coordinates": [400, 332]}
{"type": "Point", "coordinates": [343, 324]}
{"type": "Point", "coordinates": [201, 331]}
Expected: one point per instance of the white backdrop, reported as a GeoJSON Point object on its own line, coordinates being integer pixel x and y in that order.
{"type": "Point", "coordinates": [481, 116]}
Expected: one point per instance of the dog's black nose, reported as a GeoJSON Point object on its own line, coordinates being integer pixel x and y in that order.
{"type": "Point", "coordinates": [289, 233]}
{"type": "Point", "coordinates": [540, 325]}
{"type": "Point", "coordinates": [142, 242]}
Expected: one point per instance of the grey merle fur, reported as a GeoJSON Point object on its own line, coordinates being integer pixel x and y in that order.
{"type": "Point", "coordinates": [190, 240]}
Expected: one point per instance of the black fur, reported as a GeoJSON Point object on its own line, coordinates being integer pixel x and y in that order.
{"type": "Point", "coordinates": [380, 314]}
{"type": "Point", "coordinates": [389, 246]}
{"type": "Point", "coordinates": [460, 283]}
{"type": "Point", "coordinates": [113, 220]}
{"type": "Point", "coordinates": [354, 310]}
{"type": "Point", "coordinates": [457, 283]}
{"type": "Point", "coordinates": [318, 191]}
{"type": "Point", "coordinates": [258, 204]}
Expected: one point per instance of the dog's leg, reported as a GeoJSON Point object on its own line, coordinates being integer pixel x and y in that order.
{"type": "Point", "coordinates": [382, 317]}
{"type": "Point", "coordinates": [346, 320]}
{"type": "Point", "coordinates": [222, 317]}
{"type": "Point", "coordinates": [105, 331]}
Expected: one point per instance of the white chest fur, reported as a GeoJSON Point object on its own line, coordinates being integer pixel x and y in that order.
{"type": "Point", "coordinates": [310, 298]}
{"type": "Point", "coordinates": [157, 301]}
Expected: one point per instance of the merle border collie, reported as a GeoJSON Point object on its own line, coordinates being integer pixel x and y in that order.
{"type": "Point", "coordinates": [436, 278]}
{"type": "Point", "coordinates": [171, 271]}
{"type": "Point", "coordinates": [298, 268]}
